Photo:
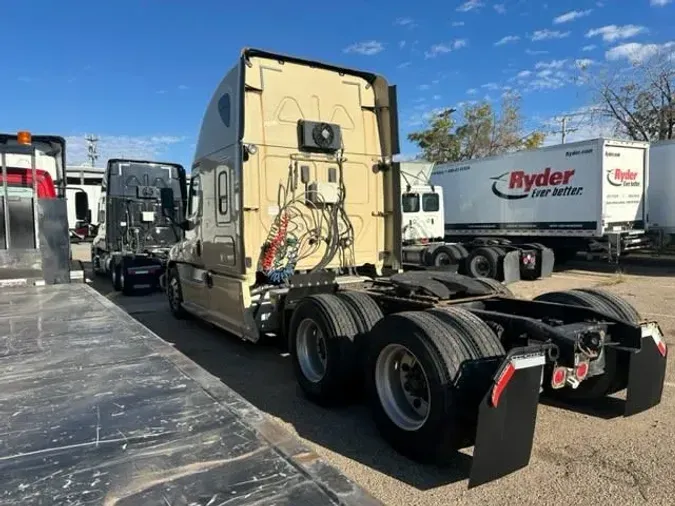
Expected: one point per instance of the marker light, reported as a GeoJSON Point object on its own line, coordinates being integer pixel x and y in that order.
{"type": "Point", "coordinates": [24, 138]}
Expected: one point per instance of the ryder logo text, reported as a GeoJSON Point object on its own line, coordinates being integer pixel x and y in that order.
{"type": "Point", "coordinates": [519, 184]}
{"type": "Point", "coordinates": [619, 177]}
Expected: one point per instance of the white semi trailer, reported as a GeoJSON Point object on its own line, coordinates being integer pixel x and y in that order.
{"type": "Point", "coordinates": [661, 191]}
{"type": "Point", "coordinates": [424, 246]}
{"type": "Point", "coordinates": [588, 195]}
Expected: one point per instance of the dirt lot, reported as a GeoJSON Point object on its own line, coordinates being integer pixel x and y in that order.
{"type": "Point", "coordinates": [578, 458]}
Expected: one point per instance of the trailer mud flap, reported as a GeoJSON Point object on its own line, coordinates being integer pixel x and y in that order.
{"type": "Point", "coordinates": [646, 371]}
{"type": "Point", "coordinates": [507, 416]}
{"type": "Point", "coordinates": [546, 262]}
{"type": "Point", "coordinates": [511, 267]}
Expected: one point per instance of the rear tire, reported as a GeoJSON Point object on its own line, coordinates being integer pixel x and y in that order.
{"type": "Point", "coordinates": [126, 285]}
{"type": "Point", "coordinates": [115, 275]}
{"type": "Point", "coordinates": [413, 361]}
{"type": "Point", "coordinates": [474, 330]}
{"type": "Point", "coordinates": [620, 307]}
{"type": "Point", "coordinates": [444, 256]}
{"type": "Point", "coordinates": [321, 343]}
{"type": "Point", "coordinates": [483, 263]}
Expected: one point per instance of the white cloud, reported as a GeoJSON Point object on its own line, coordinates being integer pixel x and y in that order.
{"type": "Point", "coordinates": [436, 97]}
{"type": "Point", "coordinates": [146, 147]}
{"type": "Point", "coordinates": [367, 48]}
{"type": "Point", "coordinates": [470, 5]}
{"type": "Point", "coordinates": [500, 8]}
{"type": "Point", "coordinates": [547, 34]}
{"type": "Point", "coordinates": [553, 64]}
{"type": "Point", "coordinates": [443, 48]}
{"type": "Point", "coordinates": [404, 22]}
{"type": "Point", "coordinates": [490, 86]}
{"type": "Point", "coordinates": [423, 87]}
{"type": "Point", "coordinates": [582, 124]}
{"type": "Point", "coordinates": [636, 52]}
{"type": "Point", "coordinates": [611, 33]}
{"type": "Point", "coordinates": [182, 87]}
{"type": "Point", "coordinates": [401, 44]}
{"type": "Point", "coordinates": [534, 52]}
{"type": "Point", "coordinates": [403, 65]}
{"type": "Point", "coordinates": [458, 23]}
{"type": "Point", "coordinates": [523, 74]}
{"type": "Point", "coordinates": [471, 91]}
{"type": "Point", "coordinates": [583, 63]}
{"type": "Point", "coordinates": [590, 47]}
{"type": "Point", "coordinates": [571, 16]}
{"type": "Point", "coordinates": [506, 40]}
{"type": "Point", "coordinates": [659, 3]}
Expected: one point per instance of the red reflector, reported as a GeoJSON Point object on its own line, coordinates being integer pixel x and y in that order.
{"type": "Point", "coordinates": [581, 370]}
{"type": "Point", "coordinates": [501, 383]}
{"type": "Point", "coordinates": [559, 376]}
{"type": "Point", "coordinates": [662, 347]}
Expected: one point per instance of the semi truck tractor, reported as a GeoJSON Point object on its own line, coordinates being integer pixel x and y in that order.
{"type": "Point", "coordinates": [583, 196]}
{"type": "Point", "coordinates": [660, 193]}
{"type": "Point", "coordinates": [134, 233]}
{"type": "Point", "coordinates": [424, 244]}
{"type": "Point", "coordinates": [100, 409]}
{"type": "Point", "coordinates": [293, 232]}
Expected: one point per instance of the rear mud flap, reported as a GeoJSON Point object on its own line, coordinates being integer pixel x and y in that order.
{"type": "Point", "coordinates": [646, 371]}
{"type": "Point", "coordinates": [546, 263]}
{"type": "Point", "coordinates": [511, 267]}
{"type": "Point", "coordinates": [507, 417]}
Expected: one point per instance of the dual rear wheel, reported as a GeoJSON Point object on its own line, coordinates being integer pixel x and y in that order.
{"type": "Point", "coordinates": [407, 364]}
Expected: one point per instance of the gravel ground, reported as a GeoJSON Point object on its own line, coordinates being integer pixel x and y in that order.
{"type": "Point", "coordinates": [578, 458]}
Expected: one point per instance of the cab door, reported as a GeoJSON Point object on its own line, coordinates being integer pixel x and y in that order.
{"type": "Point", "coordinates": [192, 271]}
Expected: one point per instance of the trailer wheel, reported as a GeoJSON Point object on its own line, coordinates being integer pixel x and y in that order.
{"type": "Point", "coordinates": [483, 263]}
{"type": "Point", "coordinates": [475, 331]}
{"type": "Point", "coordinates": [498, 287]}
{"type": "Point", "coordinates": [321, 343]}
{"type": "Point", "coordinates": [620, 307]}
{"type": "Point", "coordinates": [597, 386]}
{"type": "Point", "coordinates": [413, 361]}
{"type": "Point", "coordinates": [174, 292]}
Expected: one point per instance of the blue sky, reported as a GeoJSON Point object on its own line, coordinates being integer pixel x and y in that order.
{"type": "Point", "coordinates": [139, 73]}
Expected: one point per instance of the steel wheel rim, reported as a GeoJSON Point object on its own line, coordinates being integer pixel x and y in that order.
{"type": "Point", "coordinates": [442, 259]}
{"type": "Point", "coordinates": [407, 405]}
{"type": "Point", "coordinates": [481, 265]}
{"type": "Point", "coordinates": [311, 350]}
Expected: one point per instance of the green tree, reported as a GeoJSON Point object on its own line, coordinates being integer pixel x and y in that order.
{"type": "Point", "coordinates": [482, 132]}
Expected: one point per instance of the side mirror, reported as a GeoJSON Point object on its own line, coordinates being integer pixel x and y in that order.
{"type": "Point", "coordinates": [166, 198]}
{"type": "Point", "coordinates": [88, 219]}
{"type": "Point", "coordinates": [81, 205]}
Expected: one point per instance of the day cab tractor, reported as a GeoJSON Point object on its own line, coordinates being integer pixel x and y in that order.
{"type": "Point", "coordinates": [34, 238]}
{"type": "Point", "coordinates": [293, 231]}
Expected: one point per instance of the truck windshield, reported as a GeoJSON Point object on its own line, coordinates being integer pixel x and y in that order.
{"type": "Point", "coordinates": [430, 202]}
{"type": "Point", "coordinates": [410, 202]}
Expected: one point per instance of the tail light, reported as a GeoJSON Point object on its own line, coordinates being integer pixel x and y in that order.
{"type": "Point", "coordinates": [581, 370]}
{"type": "Point", "coordinates": [559, 377]}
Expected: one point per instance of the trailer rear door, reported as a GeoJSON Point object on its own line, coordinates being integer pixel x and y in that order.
{"type": "Point", "coordinates": [624, 181]}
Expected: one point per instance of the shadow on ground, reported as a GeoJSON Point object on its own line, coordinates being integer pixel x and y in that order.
{"type": "Point", "coordinates": [263, 375]}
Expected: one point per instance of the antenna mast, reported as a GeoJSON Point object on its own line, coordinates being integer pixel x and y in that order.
{"type": "Point", "coordinates": [92, 153]}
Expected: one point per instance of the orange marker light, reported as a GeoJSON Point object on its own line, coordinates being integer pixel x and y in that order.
{"type": "Point", "coordinates": [24, 138]}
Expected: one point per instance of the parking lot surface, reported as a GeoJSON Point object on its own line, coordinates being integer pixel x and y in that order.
{"type": "Point", "coordinates": [578, 457]}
